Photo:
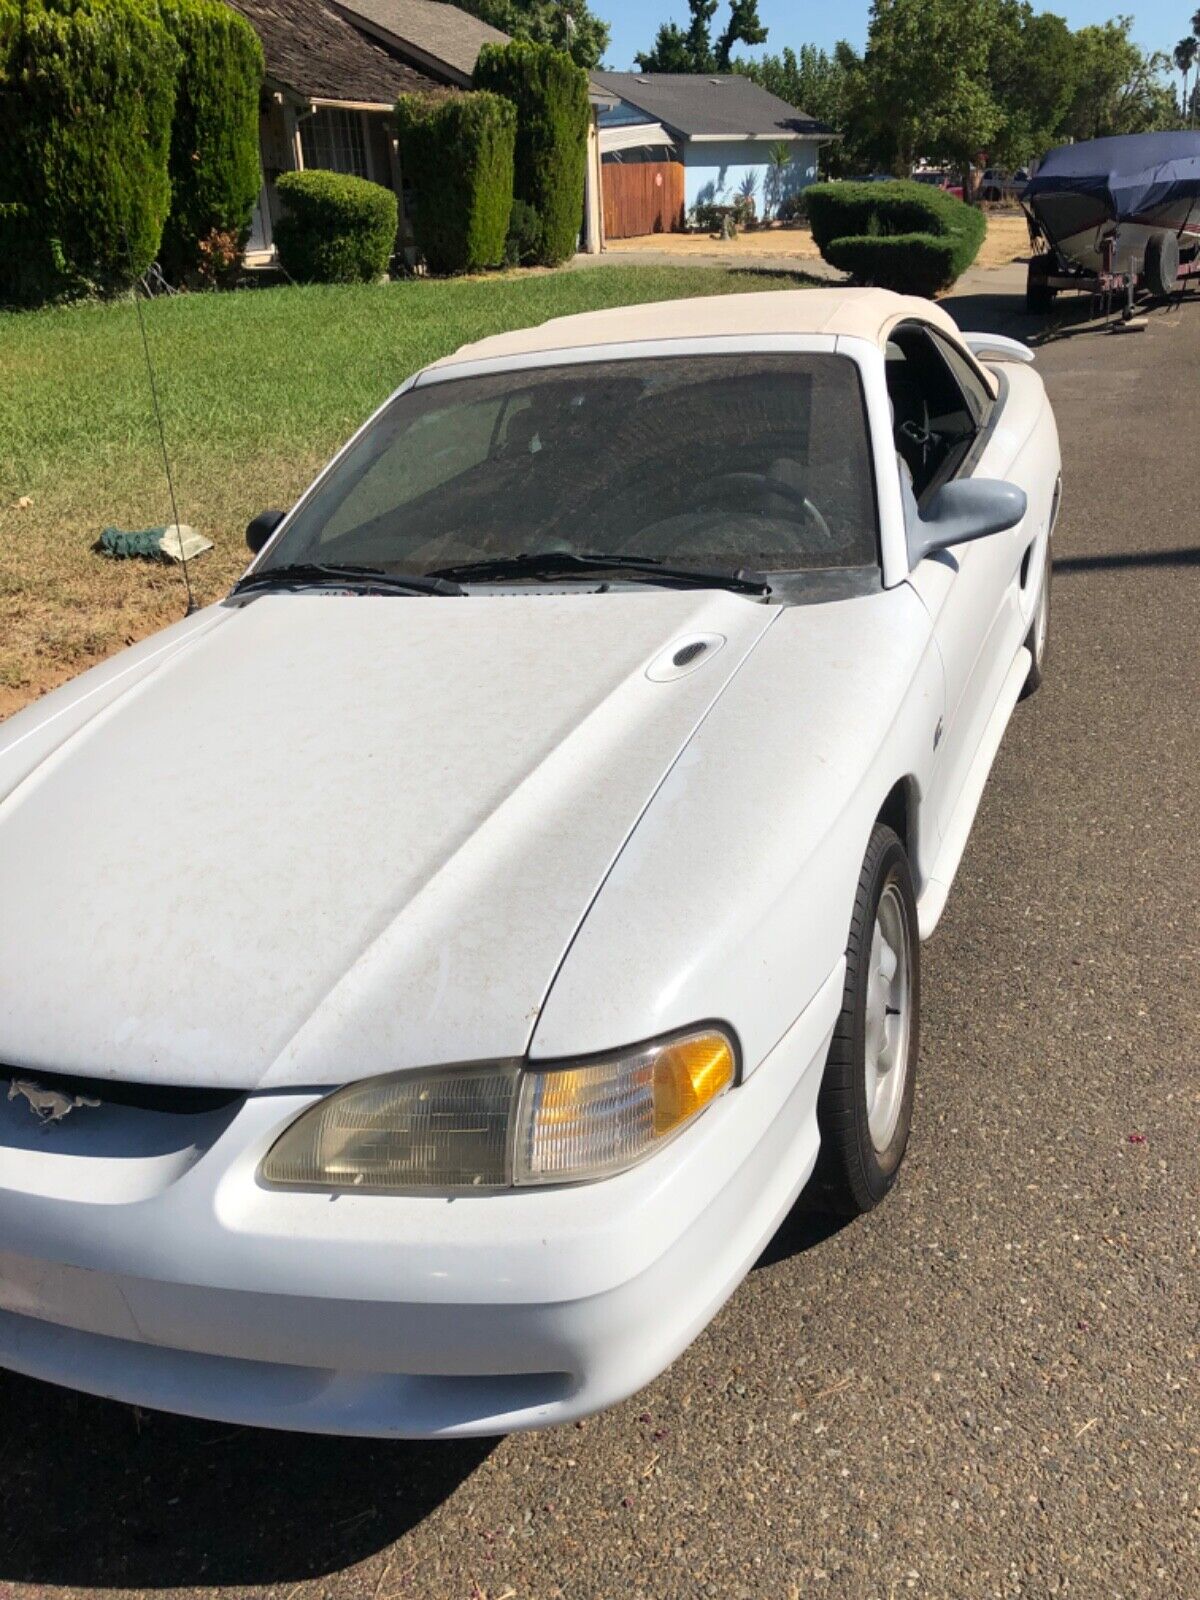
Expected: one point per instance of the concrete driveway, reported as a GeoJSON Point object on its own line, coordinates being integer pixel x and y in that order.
{"type": "Point", "coordinates": [988, 1388]}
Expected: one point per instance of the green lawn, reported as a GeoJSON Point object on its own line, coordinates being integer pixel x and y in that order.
{"type": "Point", "coordinates": [257, 389]}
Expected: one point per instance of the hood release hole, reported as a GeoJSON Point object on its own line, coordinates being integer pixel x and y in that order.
{"type": "Point", "coordinates": [688, 653]}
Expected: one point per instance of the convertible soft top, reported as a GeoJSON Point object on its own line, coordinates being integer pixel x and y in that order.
{"type": "Point", "coordinates": [859, 313]}
{"type": "Point", "coordinates": [1131, 176]}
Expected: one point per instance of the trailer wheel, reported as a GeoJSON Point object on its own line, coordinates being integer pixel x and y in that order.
{"type": "Point", "coordinates": [1039, 296]}
{"type": "Point", "coordinates": [1162, 264]}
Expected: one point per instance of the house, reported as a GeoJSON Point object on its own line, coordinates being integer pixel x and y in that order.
{"type": "Point", "coordinates": [334, 71]}
{"type": "Point", "coordinates": [700, 139]}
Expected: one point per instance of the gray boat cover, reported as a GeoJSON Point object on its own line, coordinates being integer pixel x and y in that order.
{"type": "Point", "coordinates": [1132, 174]}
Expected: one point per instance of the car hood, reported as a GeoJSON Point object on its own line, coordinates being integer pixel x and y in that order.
{"type": "Point", "coordinates": [327, 836]}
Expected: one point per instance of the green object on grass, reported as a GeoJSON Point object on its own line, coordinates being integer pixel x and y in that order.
{"type": "Point", "coordinates": [120, 545]}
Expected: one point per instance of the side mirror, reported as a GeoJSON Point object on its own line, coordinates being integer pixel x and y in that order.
{"type": "Point", "coordinates": [970, 508]}
{"type": "Point", "coordinates": [261, 529]}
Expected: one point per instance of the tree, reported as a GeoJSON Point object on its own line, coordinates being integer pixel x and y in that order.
{"type": "Point", "coordinates": [87, 93]}
{"type": "Point", "coordinates": [1119, 87]}
{"type": "Point", "coordinates": [691, 50]}
{"type": "Point", "coordinates": [743, 27]}
{"type": "Point", "coordinates": [458, 156]}
{"type": "Point", "coordinates": [550, 93]}
{"type": "Point", "coordinates": [922, 90]}
{"type": "Point", "coordinates": [1185, 58]}
{"type": "Point", "coordinates": [1032, 69]}
{"type": "Point", "coordinates": [814, 80]}
{"type": "Point", "coordinates": [214, 161]}
{"type": "Point", "coordinates": [566, 24]}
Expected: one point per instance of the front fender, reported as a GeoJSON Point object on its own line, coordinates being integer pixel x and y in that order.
{"type": "Point", "coordinates": [732, 897]}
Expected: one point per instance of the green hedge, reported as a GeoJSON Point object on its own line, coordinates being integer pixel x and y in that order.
{"type": "Point", "coordinates": [551, 96]}
{"type": "Point", "coordinates": [87, 89]}
{"type": "Point", "coordinates": [458, 157]}
{"type": "Point", "coordinates": [523, 247]}
{"type": "Point", "coordinates": [335, 228]}
{"type": "Point", "coordinates": [214, 138]}
{"type": "Point", "coordinates": [904, 236]}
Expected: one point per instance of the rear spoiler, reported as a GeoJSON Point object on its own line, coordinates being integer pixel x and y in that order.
{"type": "Point", "coordinates": [998, 347]}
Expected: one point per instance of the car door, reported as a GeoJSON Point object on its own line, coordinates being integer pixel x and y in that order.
{"type": "Point", "coordinates": [944, 418]}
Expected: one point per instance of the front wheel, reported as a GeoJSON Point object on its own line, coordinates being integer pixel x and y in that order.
{"type": "Point", "coordinates": [865, 1106]}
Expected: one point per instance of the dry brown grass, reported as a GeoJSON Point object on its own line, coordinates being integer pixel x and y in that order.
{"type": "Point", "coordinates": [1007, 240]}
{"type": "Point", "coordinates": [792, 242]}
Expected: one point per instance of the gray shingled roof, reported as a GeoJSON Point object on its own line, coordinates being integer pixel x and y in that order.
{"type": "Point", "coordinates": [311, 49]}
{"type": "Point", "coordinates": [690, 104]}
{"type": "Point", "coordinates": [433, 27]}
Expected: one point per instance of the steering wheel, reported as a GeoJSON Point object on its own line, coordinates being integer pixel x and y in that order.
{"type": "Point", "coordinates": [758, 482]}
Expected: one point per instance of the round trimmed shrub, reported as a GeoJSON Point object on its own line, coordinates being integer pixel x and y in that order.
{"type": "Point", "coordinates": [214, 138]}
{"type": "Point", "coordinates": [897, 235]}
{"type": "Point", "coordinates": [87, 90]}
{"type": "Point", "coordinates": [335, 228]}
{"type": "Point", "coordinates": [550, 158]}
{"type": "Point", "coordinates": [458, 157]}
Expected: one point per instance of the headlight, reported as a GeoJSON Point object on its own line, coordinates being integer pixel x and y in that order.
{"type": "Point", "coordinates": [510, 1123]}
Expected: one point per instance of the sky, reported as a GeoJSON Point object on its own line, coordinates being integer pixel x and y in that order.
{"type": "Point", "coordinates": [1158, 24]}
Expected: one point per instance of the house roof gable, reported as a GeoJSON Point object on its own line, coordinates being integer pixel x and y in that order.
{"type": "Point", "coordinates": [723, 105]}
{"type": "Point", "coordinates": [439, 33]}
{"type": "Point", "coordinates": [317, 54]}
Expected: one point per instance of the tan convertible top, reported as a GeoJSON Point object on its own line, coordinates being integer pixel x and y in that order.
{"type": "Point", "coordinates": [860, 313]}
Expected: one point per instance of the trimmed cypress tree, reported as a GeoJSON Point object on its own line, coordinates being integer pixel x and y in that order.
{"type": "Point", "coordinates": [214, 138]}
{"type": "Point", "coordinates": [458, 157]}
{"type": "Point", "coordinates": [87, 90]}
{"type": "Point", "coordinates": [550, 159]}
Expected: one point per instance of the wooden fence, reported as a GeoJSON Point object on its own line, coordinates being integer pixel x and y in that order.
{"type": "Point", "coordinates": [642, 197]}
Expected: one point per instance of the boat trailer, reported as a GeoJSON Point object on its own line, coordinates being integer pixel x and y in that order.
{"type": "Point", "coordinates": [1113, 287]}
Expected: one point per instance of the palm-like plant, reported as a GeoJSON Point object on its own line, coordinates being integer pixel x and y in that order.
{"type": "Point", "coordinates": [1185, 58]}
{"type": "Point", "coordinates": [779, 155]}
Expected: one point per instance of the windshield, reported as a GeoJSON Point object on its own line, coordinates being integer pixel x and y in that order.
{"type": "Point", "coordinates": [724, 462]}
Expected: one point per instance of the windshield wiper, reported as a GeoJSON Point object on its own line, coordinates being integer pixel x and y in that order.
{"type": "Point", "coordinates": [296, 573]}
{"type": "Point", "coordinates": [555, 563]}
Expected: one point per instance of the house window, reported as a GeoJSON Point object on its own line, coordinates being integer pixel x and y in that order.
{"type": "Point", "coordinates": [332, 139]}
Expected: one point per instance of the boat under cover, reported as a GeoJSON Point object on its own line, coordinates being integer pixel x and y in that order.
{"type": "Point", "coordinates": [1127, 189]}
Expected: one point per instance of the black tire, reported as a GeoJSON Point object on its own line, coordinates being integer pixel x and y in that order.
{"type": "Point", "coordinates": [852, 1175]}
{"type": "Point", "coordinates": [1037, 641]}
{"type": "Point", "coordinates": [1161, 267]}
{"type": "Point", "coordinates": [1039, 296]}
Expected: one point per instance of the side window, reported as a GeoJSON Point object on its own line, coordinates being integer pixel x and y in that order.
{"type": "Point", "coordinates": [934, 420]}
{"type": "Point", "coordinates": [976, 391]}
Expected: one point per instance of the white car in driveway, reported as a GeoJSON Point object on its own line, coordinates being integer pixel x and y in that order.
{"type": "Point", "coordinates": [431, 974]}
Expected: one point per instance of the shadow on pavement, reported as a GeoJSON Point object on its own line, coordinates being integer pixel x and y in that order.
{"type": "Point", "coordinates": [804, 1227]}
{"type": "Point", "coordinates": [1189, 556]}
{"type": "Point", "coordinates": [101, 1495]}
{"type": "Point", "coordinates": [993, 313]}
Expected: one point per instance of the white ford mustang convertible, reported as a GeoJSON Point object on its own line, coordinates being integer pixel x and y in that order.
{"type": "Point", "coordinates": [430, 975]}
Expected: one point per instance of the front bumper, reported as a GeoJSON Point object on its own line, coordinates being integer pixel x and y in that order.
{"type": "Point", "coordinates": [162, 1272]}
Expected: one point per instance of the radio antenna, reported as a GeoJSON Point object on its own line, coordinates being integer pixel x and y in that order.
{"type": "Point", "coordinates": [162, 439]}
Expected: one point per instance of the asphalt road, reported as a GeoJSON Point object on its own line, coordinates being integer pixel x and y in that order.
{"type": "Point", "coordinates": [988, 1388]}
